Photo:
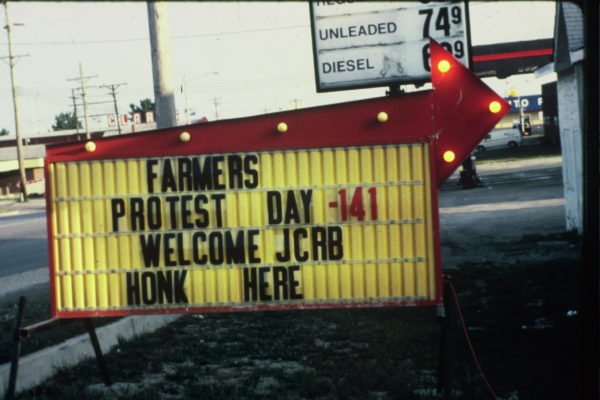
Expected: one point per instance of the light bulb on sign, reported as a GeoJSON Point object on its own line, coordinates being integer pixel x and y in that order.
{"type": "Point", "coordinates": [444, 66]}
{"type": "Point", "coordinates": [90, 147]}
{"type": "Point", "coordinates": [185, 137]}
{"type": "Point", "coordinates": [382, 117]}
{"type": "Point", "coordinates": [282, 127]}
{"type": "Point", "coordinates": [449, 156]}
{"type": "Point", "coordinates": [495, 107]}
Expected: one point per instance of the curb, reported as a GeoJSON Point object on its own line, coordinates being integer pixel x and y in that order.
{"type": "Point", "coordinates": [37, 367]}
{"type": "Point", "coordinates": [10, 213]}
{"type": "Point", "coordinates": [21, 208]}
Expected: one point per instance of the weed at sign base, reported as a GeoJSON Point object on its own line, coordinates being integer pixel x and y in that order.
{"type": "Point", "coordinates": [328, 354]}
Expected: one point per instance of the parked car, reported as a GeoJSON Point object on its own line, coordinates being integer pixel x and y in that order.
{"type": "Point", "coordinates": [500, 138]}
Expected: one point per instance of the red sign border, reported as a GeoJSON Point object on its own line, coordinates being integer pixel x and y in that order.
{"type": "Point", "coordinates": [137, 145]}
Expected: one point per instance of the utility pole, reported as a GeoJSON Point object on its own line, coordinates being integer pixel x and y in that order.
{"type": "Point", "coordinates": [74, 98]}
{"type": "Point", "coordinates": [113, 92]}
{"type": "Point", "coordinates": [216, 103]}
{"type": "Point", "coordinates": [184, 89]}
{"type": "Point", "coordinates": [11, 63]}
{"type": "Point", "coordinates": [187, 109]}
{"type": "Point", "coordinates": [164, 95]}
{"type": "Point", "coordinates": [82, 80]}
{"type": "Point", "coordinates": [297, 103]}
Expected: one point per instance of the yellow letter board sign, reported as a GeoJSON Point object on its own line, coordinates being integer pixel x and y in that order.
{"type": "Point", "coordinates": [324, 215]}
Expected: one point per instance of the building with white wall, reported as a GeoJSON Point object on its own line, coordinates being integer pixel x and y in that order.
{"type": "Point", "coordinates": [568, 64]}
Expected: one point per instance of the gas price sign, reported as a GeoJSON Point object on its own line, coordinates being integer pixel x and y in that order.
{"type": "Point", "coordinates": [332, 206]}
{"type": "Point", "coordinates": [362, 44]}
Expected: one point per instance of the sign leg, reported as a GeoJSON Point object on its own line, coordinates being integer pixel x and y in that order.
{"type": "Point", "coordinates": [89, 324]}
{"type": "Point", "coordinates": [468, 176]}
{"type": "Point", "coordinates": [14, 363]}
{"type": "Point", "coordinates": [446, 319]}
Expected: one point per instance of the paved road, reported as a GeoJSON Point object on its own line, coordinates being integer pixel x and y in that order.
{"type": "Point", "coordinates": [517, 199]}
{"type": "Point", "coordinates": [23, 245]}
{"type": "Point", "coordinates": [23, 242]}
{"type": "Point", "coordinates": [513, 182]}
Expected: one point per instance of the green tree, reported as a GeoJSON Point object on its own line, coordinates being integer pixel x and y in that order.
{"type": "Point", "coordinates": [65, 121]}
{"type": "Point", "coordinates": [144, 106]}
{"type": "Point", "coordinates": [3, 132]}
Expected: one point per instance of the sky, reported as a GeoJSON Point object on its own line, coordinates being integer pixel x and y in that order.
{"type": "Point", "coordinates": [233, 58]}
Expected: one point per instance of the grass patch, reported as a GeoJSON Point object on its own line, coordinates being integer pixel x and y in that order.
{"type": "Point", "coordinates": [328, 354]}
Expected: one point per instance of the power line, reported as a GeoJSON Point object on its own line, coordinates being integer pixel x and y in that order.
{"type": "Point", "coordinates": [11, 59]}
{"type": "Point", "coordinates": [145, 39]}
{"type": "Point", "coordinates": [91, 103]}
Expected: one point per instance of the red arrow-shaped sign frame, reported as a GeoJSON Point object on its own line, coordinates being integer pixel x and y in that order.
{"type": "Point", "coordinates": [452, 118]}
{"type": "Point", "coordinates": [455, 115]}
{"type": "Point", "coordinates": [464, 109]}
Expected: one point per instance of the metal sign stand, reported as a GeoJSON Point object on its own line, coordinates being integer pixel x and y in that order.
{"type": "Point", "coordinates": [21, 333]}
{"type": "Point", "coordinates": [447, 319]}
{"type": "Point", "coordinates": [450, 318]}
{"type": "Point", "coordinates": [468, 176]}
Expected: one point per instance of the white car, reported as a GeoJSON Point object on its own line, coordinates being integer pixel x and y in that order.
{"type": "Point", "coordinates": [500, 138]}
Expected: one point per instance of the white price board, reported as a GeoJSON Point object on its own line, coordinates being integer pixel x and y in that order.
{"type": "Point", "coordinates": [365, 44]}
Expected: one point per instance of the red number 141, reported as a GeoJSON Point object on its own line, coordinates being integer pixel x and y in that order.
{"type": "Point", "coordinates": [356, 208]}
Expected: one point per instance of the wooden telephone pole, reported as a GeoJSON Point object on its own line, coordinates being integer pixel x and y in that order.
{"type": "Point", "coordinates": [82, 82]}
{"type": "Point", "coordinates": [164, 94]}
{"type": "Point", "coordinates": [11, 64]}
{"type": "Point", "coordinates": [113, 92]}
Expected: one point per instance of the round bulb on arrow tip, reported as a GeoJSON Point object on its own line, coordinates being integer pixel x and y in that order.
{"type": "Point", "coordinates": [444, 66]}
{"type": "Point", "coordinates": [495, 107]}
{"type": "Point", "coordinates": [449, 156]}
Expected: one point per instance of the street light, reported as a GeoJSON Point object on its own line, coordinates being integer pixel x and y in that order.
{"type": "Point", "coordinates": [184, 90]}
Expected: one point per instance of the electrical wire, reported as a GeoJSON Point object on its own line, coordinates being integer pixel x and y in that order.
{"type": "Point", "coordinates": [175, 37]}
{"type": "Point", "coordinates": [468, 339]}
